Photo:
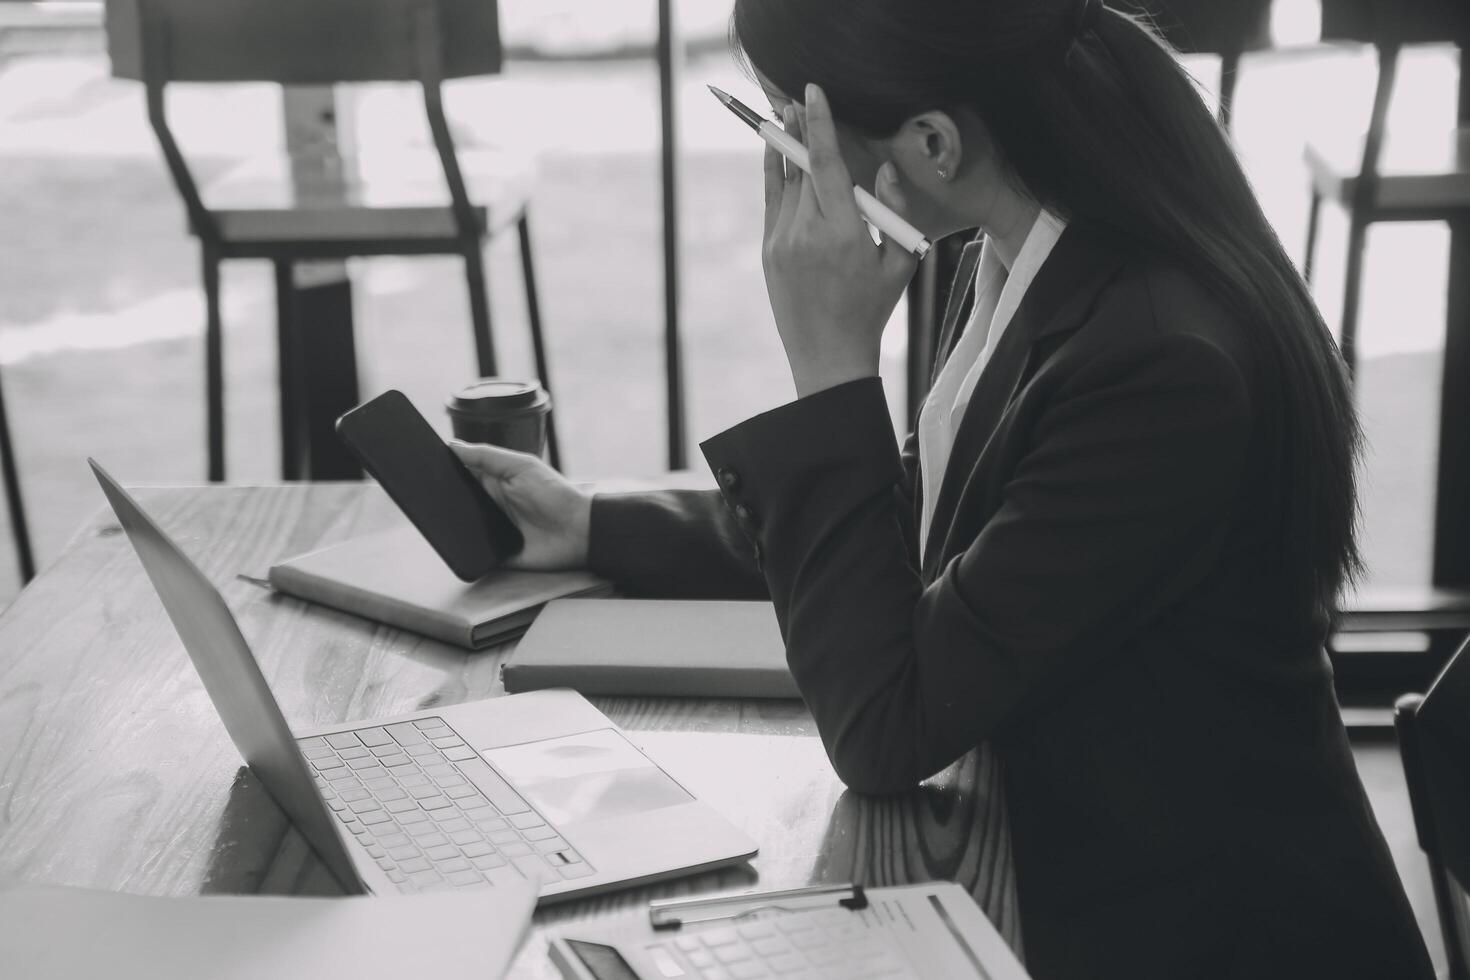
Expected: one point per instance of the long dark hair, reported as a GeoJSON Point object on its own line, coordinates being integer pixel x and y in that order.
{"type": "Point", "coordinates": [1095, 116]}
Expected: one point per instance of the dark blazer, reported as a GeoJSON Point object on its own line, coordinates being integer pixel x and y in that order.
{"type": "Point", "coordinates": [1097, 600]}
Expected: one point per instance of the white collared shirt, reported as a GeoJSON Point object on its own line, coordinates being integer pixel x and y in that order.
{"type": "Point", "coordinates": [997, 295]}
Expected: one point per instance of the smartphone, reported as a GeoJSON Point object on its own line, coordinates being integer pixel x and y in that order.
{"type": "Point", "coordinates": [438, 493]}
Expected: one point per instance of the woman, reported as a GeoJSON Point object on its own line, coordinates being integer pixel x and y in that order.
{"type": "Point", "coordinates": [1113, 547]}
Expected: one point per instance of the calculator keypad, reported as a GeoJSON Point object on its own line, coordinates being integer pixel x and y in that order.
{"type": "Point", "coordinates": [827, 944]}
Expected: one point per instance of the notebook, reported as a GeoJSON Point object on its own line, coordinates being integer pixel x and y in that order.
{"type": "Point", "coordinates": [395, 577]}
{"type": "Point", "coordinates": [654, 647]}
{"type": "Point", "coordinates": [48, 932]}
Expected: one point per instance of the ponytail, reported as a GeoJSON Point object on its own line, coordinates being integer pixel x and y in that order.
{"type": "Point", "coordinates": [1097, 119]}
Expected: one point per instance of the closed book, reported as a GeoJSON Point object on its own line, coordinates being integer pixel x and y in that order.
{"type": "Point", "coordinates": [654, 647]}
{"type": "Point", "coordinates": [395, 577]}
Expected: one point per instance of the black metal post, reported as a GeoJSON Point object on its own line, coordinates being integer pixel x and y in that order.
{"type": "Point", "coordinates": [288, 374]}
{"type": "Point", "coordinates": [670, 58]}
{"type": "Point", "coordinates": [327, 361]}
{"type": "Point", "coordinates": [320, 307]}
{"type": "Point", "coordinates": [1452, 499]}
{"type": "Point", "coordinates": [923, 318]}
{"type": "Point", "coordinates": [18, 529]}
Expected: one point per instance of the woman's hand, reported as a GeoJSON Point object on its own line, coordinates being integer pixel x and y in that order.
{"type": "Point", "coordinates": [553, 514]}
{"type": "Point", "coordinates": [832, 290]}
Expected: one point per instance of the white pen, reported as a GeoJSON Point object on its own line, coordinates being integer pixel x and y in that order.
{"type": "Point", "coordinates": [878, 214]}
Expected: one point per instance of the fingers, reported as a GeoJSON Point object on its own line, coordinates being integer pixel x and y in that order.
{"type": "Point", "coordinates": [490, 460]}
{"type": "Point", "coordinates": [791, 120]}
{"type": "Point", "coordinates": [897, 260]}
{"type": "Point", "coordinates": [808, 210]}
{"type": "Point", "coordinates": [496, 489]}
{"type": "Point", "coordinates": [775, 187]}
{"type": "Point", "coordinates": [487, 464]}
{"type": "Point", "coordinates": [791, 188]}
{"type": "Point", "coordinates": [829, 176]}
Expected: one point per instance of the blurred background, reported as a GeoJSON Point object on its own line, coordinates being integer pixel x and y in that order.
{"type": "Point", "coordinates": [101, 308]}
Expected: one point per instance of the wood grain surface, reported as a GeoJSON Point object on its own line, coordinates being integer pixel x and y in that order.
{"type": "Point", "coordinates": [116, 773]}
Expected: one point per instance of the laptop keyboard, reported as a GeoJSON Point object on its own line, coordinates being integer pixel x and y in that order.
{"type": "Point", "coordinates": [826, 944]}
{"type": "Point", "coordinates": [432, 813]}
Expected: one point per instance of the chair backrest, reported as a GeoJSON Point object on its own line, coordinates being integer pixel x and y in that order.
{"type": "Point", "coordinates": [299, 42]}
{"type": "Point", "coordinates": [1223, 27]}
{"type": "Point", "coordinates": [1396, 21]}
{"type": "Point", "coordinates": [1227, 28]}
{"type": "Point", "coordinates": [1434, 740]}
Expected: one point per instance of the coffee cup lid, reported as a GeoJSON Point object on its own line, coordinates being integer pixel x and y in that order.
{"type": "Point", "coordinates": [497, 392]}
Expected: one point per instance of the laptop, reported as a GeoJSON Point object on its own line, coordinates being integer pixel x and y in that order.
{"type": "Point", "coordinates": [539, 786]}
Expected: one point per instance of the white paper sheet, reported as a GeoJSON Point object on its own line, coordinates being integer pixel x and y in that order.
{"type": "Point", "coordinates": [50, 932]}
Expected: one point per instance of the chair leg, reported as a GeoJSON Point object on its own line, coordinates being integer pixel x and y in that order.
{"type": "Point", "coordinates": [288, 373]}
{"type": "Point", "coordinates": [18, 529]}
{"type": "Point", "coordinates": [538, 343]}
{"type": "Point", "coordinates": [214, 373]}
{"type": "Point", "coordinates": [474, 265]}
{"type": "Point", "coordinates": [1361, 204]}
{"type": "Point", "coordinates": [1352, 290]}
{"type": "Point", "coordinates": [1314, 216]}
{"type": "Point", "coordinates": [1445, 899]}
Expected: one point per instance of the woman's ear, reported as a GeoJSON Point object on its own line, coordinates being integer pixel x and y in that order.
{"type": "Point", "coordinates": [930, 141]}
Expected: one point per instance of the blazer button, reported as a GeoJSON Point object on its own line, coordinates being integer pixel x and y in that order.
{"type": "Point", "coordinates": [729, 479]}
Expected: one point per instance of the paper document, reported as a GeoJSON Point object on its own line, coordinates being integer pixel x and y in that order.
{"type": "Point", "coordinates": [50, 933]}
{"type": "Point", "coordinates": [907, 932]}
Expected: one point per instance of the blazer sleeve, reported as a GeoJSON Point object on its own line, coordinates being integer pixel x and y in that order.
{"type": "Point", "coordinates": [1131, 476]}
{"type": "Point", "coordinates": [673, 544]}
{"type": "Point", "coordinates": [689, 544]}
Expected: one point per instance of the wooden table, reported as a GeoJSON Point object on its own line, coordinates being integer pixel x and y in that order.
{"type": "Point", "coordinates": [116, 773]}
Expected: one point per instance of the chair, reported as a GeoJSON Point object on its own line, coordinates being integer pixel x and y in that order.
{"type": "Point", "coordinates": [315, 205]}
{"type": "Point", "coordinates": [1383, 178]}
{"type": "Point", "coordinates": [1227, 29]}
{"type": "Point", "coordinates": [13, 501]}
{"type": "Point", "coordinates": [1434, 743]}
{"type": "Point", "coordinates": [1389, 640]}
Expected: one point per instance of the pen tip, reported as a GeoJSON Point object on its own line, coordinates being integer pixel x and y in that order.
{"type": "Point", "coordinates": [717, 93]}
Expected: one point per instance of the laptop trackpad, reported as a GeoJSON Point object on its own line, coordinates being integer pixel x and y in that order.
{"type": "Point", "coordinates": [590, 776]}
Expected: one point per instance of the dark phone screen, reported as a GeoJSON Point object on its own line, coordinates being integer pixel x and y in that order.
{"type": "Point", "coordinates": [603, 962]}
{"type": "Point", "coordinates": [443, 499]}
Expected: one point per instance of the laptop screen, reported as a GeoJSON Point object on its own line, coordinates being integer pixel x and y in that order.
{"type": "Point", "coordinates": [232, 678]}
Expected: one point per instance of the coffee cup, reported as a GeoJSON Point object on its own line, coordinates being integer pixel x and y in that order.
{"type": "Point", "coordinates": [502, 412]}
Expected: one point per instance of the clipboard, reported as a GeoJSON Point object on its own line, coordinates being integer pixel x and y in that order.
{"type": "Point", "coordinates": [912, 932]}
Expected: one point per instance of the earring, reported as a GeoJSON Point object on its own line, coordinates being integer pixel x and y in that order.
{"type": "Point", "coordinates": [944, 173]}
